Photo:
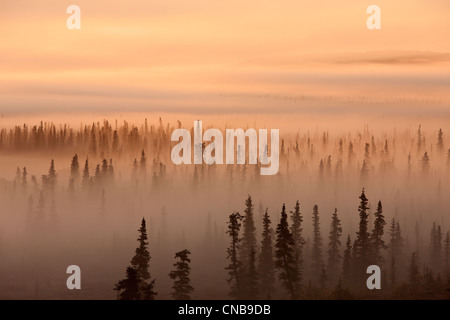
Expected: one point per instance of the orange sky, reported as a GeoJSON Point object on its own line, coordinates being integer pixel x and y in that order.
{"type": "Point", "coordinates": [177, 56]}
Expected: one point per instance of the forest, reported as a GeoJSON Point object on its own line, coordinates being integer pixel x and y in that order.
{"type": "Point", "coordinates": [106, 196]}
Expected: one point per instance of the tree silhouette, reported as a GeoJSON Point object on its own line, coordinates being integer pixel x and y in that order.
{"type": "Point", "coordinates": [376, 238]}
{"type": "Point", "coordinates": [266, 263]}
{"type": "Point", "coordinates": [347, 263]}
{"type": "Point", "coordinates": [75, 168]}
{"type": "Point", "coordinates": [234, 268]}
{"type": "Point", "coordinates": [139, 271]}
{"type": "Point", "coordinates": [361, 247]}
{"type": "Point", "coordinates": [129, 288]}
{"type": "Point", "coordinates": [285, 260]}
{"type": "Point", "coordinates": [334, 247]}
{"type": "Point", "coordinates": [316, 252]}
{"type": "Point", "coordinates": [299, 242]}
{"type": "Point", "coordinates": [182, 284]}
{"type": "Point", "coordinates": [248, 244]}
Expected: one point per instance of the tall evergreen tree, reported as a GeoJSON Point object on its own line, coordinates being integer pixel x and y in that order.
{"type": "Point", "coordinates": [139, 263]}
{"type": "Point", "coordinates": [347, 263]}
{"type": "Point", "coordinates": [248, 242]}
{"type": "Point", "coordinates": [128, 288]}
{"type": "Point", "coordinates": [234, 267]}
{"type": "Point", "coordinates": [299, 242]}
{"type": "Point", "coordinates": [334, 247]}
{"type": "Point", "coordinates": [266, 263]}
{"type": "Point", "coordinates": [182, 285]}
{"type": "Point", "coordinates": [361, 247]}
{"type": "Point", "coordinates": [376, 238]}
{"type": "Point", "coordinates": [395, 245]}
{"type": "Point", "coordinates": [248, 234]}
{"type": "Point", "coordinates": [86, 180]}
{"type": "Point", "coordinates": [316, 252]}
{"type": "Point", "coordinates": [285, 260]}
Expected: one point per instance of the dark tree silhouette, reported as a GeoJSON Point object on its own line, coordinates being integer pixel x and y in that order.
{"type": "Point", "coordinates": [140, 263]}
{"type": "Point", "coordinates": [234, 268]}
{"type": "Point", "coordinates": [395, 245]}
{"type": "Point", "coordinates": [334, 247]}
{"type": "Point", "coordinates": [285, 260]}
{"type": "Point", "coordinates": [86, 180]}
{"type": "Point", "coordinates": [347, 263]}
{"type": "Point", "coordinates": [361, 247]}
{"type": "Point", "coordinates": [316, 252]}
{"type": "Point", "coordinates": [376, 238]}
{"type": "Point", "coordinates": [129, 288]}
{"type": "Point", "coordinates": [248, 242]}
{"type": "Point", "coordinates": [266, 263]}
{"type": "Point", "coordinates": [182, 285]}
{"type": "Point", "coordinates": [299, 242]}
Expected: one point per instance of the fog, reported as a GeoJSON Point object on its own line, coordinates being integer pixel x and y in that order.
{"type": "Point", "coordinates": [47, 226]}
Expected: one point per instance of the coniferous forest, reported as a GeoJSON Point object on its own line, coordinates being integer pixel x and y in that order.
{"type": "Point", "coordinates": [106, 196]}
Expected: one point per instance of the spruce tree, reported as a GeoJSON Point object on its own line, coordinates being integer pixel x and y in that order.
{"type": "Point", "coordinates": [86, 180]}
{"type": "Point", "coordinates": [248, 242]}
{"type": "Point", "coordinates": [299, 242]}
{"type": "Point", "coordinates": [347, 263]}
{"type": "Point", "coordinates": [234, 268]}
{"type": "Point", "coordinates": [182, 285]}
{"type": "Point", "coordinates": [266, 263]}
{"type": "Point", "coordinates": [285, 260]}
{"type": "Point", "coordinates": [316, 252]}
{"type": "Point", "coordinates": [395, 245]}
{"type": "Point", "coordinates": [361, 247]}
{"type": "Point", "coordinates": [128, 288]}
{"type": "Point", "coordinates": [376, 238]}
{"type": "Point", "coordinates": [334, 247]}
{"type": "Point", "coordinates": [140, 263]}
{"type": "Point", "coordinates": [447, 253]}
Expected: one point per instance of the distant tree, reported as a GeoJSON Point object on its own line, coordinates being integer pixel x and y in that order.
{"type": "Point", "coordinates": [316, 252]}
{"type": "Point", "coordinates": [447, 253]}
{"type": "Point", "coordinates": [334, 247]}
{"type": "Point", "coordinates": [182, 285]}
{"type": "Point", "coordinates": [234, 268]}
{"type": "Point", "coordinates": [86, 180]}
{"type": "Point", "coordinates": [425, 163]}
{"type": "Point", "coordinates": [134, 170]}
{"type": "Point", "coordinates": [361, 247]}
{"type": "Point", "coordinates": [436, 246]}
{"type": "Point", "coordinates": [299, 242]}
{"type": "Point", "coordinates": [347, 263]}
{"type": "Point", "coordinates": [266, 263]}
{"type": "Point", "coordinates": [143, 163]}
{"type": "Point", "coordinates": [413, 272]}
{"type": "Point", "coordinates": [24, 178]}
{"type": "Point", "coordinates": [395, 245]}
{"type": "Point", "coordinates": [419, 139]}
{"type": "Point", "coordinates": [440, 141]}
{"type": "Point", "coordinates": [285, 260]}
{"type": "Point", "coordinates": [376, 238]}
{"type": "Point", "coordinates": [49, 180]}
{"type": "Point", "coordinates": [75, 168]}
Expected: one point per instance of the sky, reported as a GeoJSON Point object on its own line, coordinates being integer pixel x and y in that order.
{"type": "Point", "coordinates": [194, 56]}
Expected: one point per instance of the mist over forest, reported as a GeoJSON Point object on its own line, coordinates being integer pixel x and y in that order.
{"type": "Point", "coordinates": [76, 195]}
